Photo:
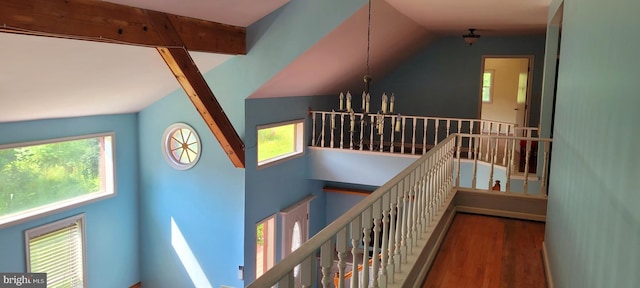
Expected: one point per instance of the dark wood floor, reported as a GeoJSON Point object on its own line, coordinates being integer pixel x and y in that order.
{"type": "Point", "coordinates": [483, 251]}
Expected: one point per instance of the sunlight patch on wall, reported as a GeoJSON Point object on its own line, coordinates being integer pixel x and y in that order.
{"type": "Point", "coordinates": [189, 261]}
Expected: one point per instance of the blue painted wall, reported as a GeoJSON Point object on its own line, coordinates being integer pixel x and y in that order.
{"type": "Point", "coordinates": [206, 203]}
{"type": "Point", "coordinates": [444, 79]}
{"type": "Point", "coordinates": [272, 188]}
{"type": "Point", "coordinates": [273, 43]}
{"type": "Point", "coordinates": [111, 224]}
{"type": "Point", "coordinates": [593, 227]}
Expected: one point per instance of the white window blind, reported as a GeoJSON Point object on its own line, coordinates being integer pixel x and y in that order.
{"type": "Point", "coordinates": [57, 249]}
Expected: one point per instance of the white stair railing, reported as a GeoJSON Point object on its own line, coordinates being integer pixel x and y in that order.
{"type": "Point", "coordinates": [395, 132]}
{"type": "Point", "coordinates": [515, 157]}
{"type": "Point", "coordinates": [384, 229]}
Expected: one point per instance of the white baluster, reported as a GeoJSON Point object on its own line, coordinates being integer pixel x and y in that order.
{"type": "Point", "coordinates": [413, 139]}
{"type": "Point", "coordinates": [341, 132]}
{"type": "Point", "coordinates": [366, 231]}
{"type": "Point", "coordinates": [402, 144]}
{"type": "Point", "coordinates": [436, 135]}
{"type": "Point", "coordinates": [409, 204]}
{"type": "Point", "coordinates": [286, 281]}
{"type": "Point", "coordinates": [373, 120]}
{"type": "Point", "coordinates": [511, 164]}
{"type": "Point", "coordinates": [424, 136]}
{"type": "Point", "coordinates": [384, 257]}
{"type": "Point", "coordinates": [472, 124]}
{"type": "Point", "coordinates": [459, 145]}
{"type": "Point", "coordinates": [352, 118]}
{"type": "Point", "coordinates": [526, 168]}
{"type": "Point", "coordinates": [377, 216]}
{"type": "Point", "coordinates": [356, 233]}
{"type": "Point", "coordinates": [393, 243]}
{"type": "Point", "coordinates": [480, 140]}
{"type": "Point", "coordinates": [323, 129]}
{"type": "Point", "coordinates": [405, 222]}
{"type": "Point", "coordinates": [491, 142]}
{"type": "Point", "coordinates": [362, 120]}
{"type": "Point", "coordinates": [313, 128]}
{"type": "Point", "coordinates": [506, 144]}
{"type": "Point", "coordinates": [342, 246]}
{"type": "Point", "coordinates": [414, 203]}
{"type": "Point", "coordinates": [307, 269]}
{"type": "Point", "coordinates": [397, 257]}
{"type": "Point", "coordinates": [326, 262]}
{"type": "Point", "coordinates": [382, 133]}
{"type": "Point", "coordinates": [475, 160]}
{"type": "Point", "coordinates": [393, 120]}
{"type": "Point", "coordinates": [507, 168]}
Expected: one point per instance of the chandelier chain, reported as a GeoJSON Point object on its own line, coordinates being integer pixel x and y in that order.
{"type": "Point", "coordinates": [368, 37]}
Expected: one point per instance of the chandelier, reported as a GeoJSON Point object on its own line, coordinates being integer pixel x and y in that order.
{"type": "Point", "coordinates": [387, 103]}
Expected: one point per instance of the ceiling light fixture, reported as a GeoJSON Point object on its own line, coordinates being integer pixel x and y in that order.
{"type": "Point", "coordinates": [387, 104]}
{"type": "Point", "coordinates": [471, 37]}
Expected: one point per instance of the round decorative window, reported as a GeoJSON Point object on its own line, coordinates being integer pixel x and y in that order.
{"type": "Point", "coordinates": [181, 146]}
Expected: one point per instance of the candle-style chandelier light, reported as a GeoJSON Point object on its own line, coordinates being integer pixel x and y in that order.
{"type": "Point", "coordinates": [387, 103]}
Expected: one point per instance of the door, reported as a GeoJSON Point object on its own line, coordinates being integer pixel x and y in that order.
{"type": "Point", "coordinates": [295, 231]}
{"type": "Point", "coordinates": [505, 89]}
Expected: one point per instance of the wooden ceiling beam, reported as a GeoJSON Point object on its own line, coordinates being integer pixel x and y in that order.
{"type": "Point", "coordinates": [171, 35]}
{"type": "Point", "coordinates": [113, 23]}
{"type": "Point", "coordinates": [196, 87]}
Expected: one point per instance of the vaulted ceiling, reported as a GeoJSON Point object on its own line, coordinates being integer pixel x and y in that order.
{"type": "Point", "coordinates": [45, 77]}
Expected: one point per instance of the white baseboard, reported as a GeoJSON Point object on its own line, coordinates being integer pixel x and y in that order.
{"type": "Point", "coordinates": [547, 268]}
{"type": "Point", "coordinates": [422, 275]}
{"type": "Point", "coordinates": [501, 213]}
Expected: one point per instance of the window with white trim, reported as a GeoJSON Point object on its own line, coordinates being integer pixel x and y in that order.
{"type": "Point", "coordinates": [265, 245]}
{"type": "Point", "coordinates": [280, 141]}
{"type": "Point", "coordinates": [487, 85]}
{"type": "Point", "coordinates": [58, 249]}
{"type": "Point", "coordinates": [44, 177]}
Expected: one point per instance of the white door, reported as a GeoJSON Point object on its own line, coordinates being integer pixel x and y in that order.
{"type": "Point", "coordinates": [295, 231]}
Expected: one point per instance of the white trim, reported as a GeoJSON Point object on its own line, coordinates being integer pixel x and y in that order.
{"type": "Point", "coordinates": [53, 226]}
{"type": "Point", "coordinates": [168, 155]}
{"type": "Point", "coordinates": [53, 208]}
{"type": "Point", "coordinates": [366, 152]}
{"type": "Point", "coordinates": [547, 267]}
{"type": "Point", "coordinates": [501, 213]}
{"type": "Point", "coordinates": [298, 138]}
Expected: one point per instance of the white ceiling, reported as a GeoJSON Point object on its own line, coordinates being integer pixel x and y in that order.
{"type": "Point", "coordinates": [52, 78]}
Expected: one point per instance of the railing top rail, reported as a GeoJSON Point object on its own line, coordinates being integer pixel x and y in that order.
{"type": "Point", "coordinates": [412, 116]}
{"type": "Point", "coordinates": [503, 137]}
{"type": "Point", "coordinates": [288, 263]}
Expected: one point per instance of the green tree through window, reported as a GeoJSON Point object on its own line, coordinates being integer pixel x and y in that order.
{"type": "Point", "coordinates": [37, 175]}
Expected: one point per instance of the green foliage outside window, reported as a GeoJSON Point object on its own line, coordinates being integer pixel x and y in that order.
{"type": "Point", "coordinates": [487, 82]}
{"type": "Point", "coordinates": [276, 141]}
{"type": "Point", "coordinates": [33, 176]}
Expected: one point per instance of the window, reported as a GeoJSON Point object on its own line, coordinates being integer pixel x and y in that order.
{"type": "Point", "coordinates": [41, 178]}
{"type": "Point", "coordinates": [181, 146]}
{"type": "Point", "coordinates": [265, 245]}
{"type": "Point", "coordinates": [280, 141]}
{"type": "Point", "coordinates": [487, 86]}
{"type": "Point", "coordinates": [58, 250]}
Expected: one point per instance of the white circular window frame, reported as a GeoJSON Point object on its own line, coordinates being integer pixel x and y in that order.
{"type": "Point", "coordinates": [166, 150]}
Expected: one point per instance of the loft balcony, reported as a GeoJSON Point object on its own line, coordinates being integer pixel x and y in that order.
{"type": "Point", "coordinates": [440, 166]}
